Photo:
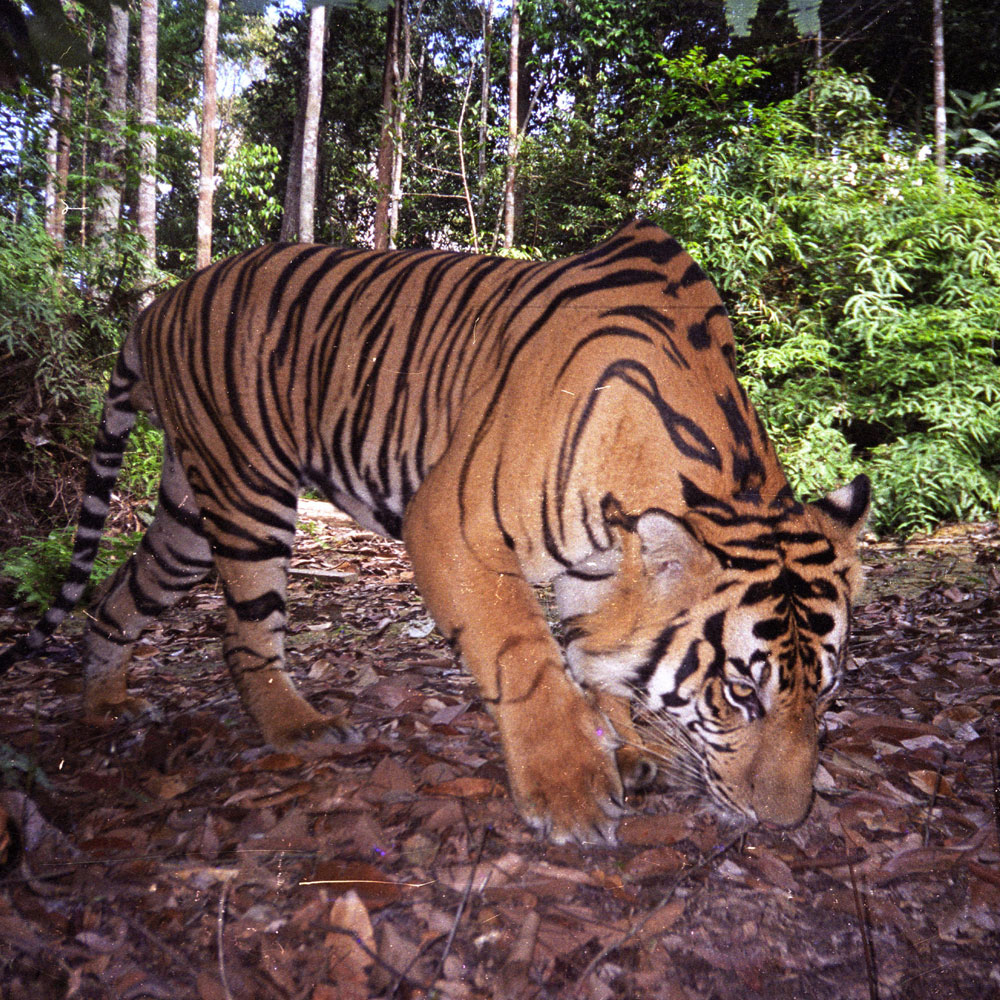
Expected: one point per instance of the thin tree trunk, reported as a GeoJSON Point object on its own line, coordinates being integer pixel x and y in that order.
{"type": "Point", "coordinates": [206, 175]}
{"type": "Point", "coordinates": [940, 116]}
{"type": "Point", "coordinates": [111, 174]}
{"type": "Point", "coordinates": [52, 155]}
{"type": "Point", "coordinates": [310, 128]}
{"type": "Point", "coordinates": [58, 231]}
{"type": "Point", "coordinates": [509, 205]}
{"type": "Point", "coordinates": [293, 182]}
{"type": "Point", "coordinates": [401, 81]}
{"type": "Point", "coordinates": [384, 160]}
{"type": "Point", "coordinates": [84, 162]}
{"type": "Point", "coordinates": [484, 94]}
{"type": "Point", "coordinates": [145, 210]}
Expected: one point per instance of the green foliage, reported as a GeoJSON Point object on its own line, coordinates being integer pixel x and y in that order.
{"type": "Point", "coordinates": [866, 296]}
{"type": "Point", "coordinates": [38, 566]}
{"type": "Point", "coordinates": [140, 475]}
{"type": "Point", "coordinates": [805, 13]}
{"type": "Point", "coordinates": [50, 319]}
{"type": "Point", "coordinates": [246, 208]}
{"type": "Point", "coordinates": [974, 124]}
{"type": "Point", "coordinates": [20, 771]}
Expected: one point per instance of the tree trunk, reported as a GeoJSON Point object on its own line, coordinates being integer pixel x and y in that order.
{"type": "Point", "coordinates": [88, 90]}
{"type": "Point", "coordinates": [401, 80]}
{"type": "Point", "coordinates": [293, 181]}
{"type": "Point", "coordinates": [52, 155]}
{"type": "Point", "coordinates": [310, 125]}
{"type": "Point", "coordinates": [111, 173]}
{"type": "Point", "coordinates": [940, 116]}
{"type": "Point", "coordinates": [384, 160]}
{"type": "Point", "coordinates": [57, 219]}
{"type": "Point", "coordinates": [509, 200]}
{"type": "Point", "coordinates": [145, 209]}
{"type": "Point", "coordinates": [484, 94]}
{"type": "Point", "coordinates": [206, 176]}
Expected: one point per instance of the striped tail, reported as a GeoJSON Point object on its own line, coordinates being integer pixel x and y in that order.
{"type": "Point", "coordinates": [105, 463]}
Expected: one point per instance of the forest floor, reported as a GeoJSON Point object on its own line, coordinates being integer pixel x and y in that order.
{"type": "Point", "coordinates": [183, 859]}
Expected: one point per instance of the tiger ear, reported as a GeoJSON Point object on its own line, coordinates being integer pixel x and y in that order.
{"type": "Point", "coordinates": [848, 506]}
{"type": "Point", "coordinates": [668, 547]}
{"type": "Point", "coordinates": [845, 511]}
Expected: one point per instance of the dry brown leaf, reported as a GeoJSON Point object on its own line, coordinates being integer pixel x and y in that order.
{"type": "Point", "coordinates": [465, 788]}
{"type": "Point", "coordinates": [653, 863]}
{"type": "Point", "coordinates": [348, 960]}
{"type": "Point", "coordinates": [773, 869]}
{"type": "Point", "coordinates": [930, 782]}
{"type": "Point", "coordinates": [661, 919]}
{"type": "Point", "coordinates": [274, 762]}
{"type": "Point", "coordinates": [372, 885]}
{"type": "Point", "coordinates": [392, 776]}
{"type": "Point", "coordinates": [653, 831]}
{"type": "Point", "coordinates": [167, 786]}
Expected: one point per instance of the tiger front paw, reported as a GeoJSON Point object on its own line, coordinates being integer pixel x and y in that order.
{"type": "Point", "coordinates": [565, 781]}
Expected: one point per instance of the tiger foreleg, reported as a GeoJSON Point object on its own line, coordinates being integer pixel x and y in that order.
{"type": "Point", "coordinates": [558, 747]}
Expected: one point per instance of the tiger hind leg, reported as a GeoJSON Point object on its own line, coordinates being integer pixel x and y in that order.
{"type": "Point", "coordinates": [252, 562]}
{"type": "Point", "coordinates": [172, 557]}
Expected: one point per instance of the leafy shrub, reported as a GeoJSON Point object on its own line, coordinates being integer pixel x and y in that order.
{"type": "Point", "coordinates": [140, 475]}
{"type": "Point", "coordinates": [47, 319]}
{"type": "Point", "coordinates": [864, 296]}
{"type": "Point", "coordinates": [39, 565]}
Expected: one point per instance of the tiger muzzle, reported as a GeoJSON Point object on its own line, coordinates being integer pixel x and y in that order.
{"type": "Point", "coordinates": [779, 780]}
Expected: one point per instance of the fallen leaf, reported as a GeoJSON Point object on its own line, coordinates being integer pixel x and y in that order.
{"type": "Point", "coordinates": [351, 944]}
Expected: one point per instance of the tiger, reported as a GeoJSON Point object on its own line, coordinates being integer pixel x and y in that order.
{"type": "Point", "coordinates": [516, 423]}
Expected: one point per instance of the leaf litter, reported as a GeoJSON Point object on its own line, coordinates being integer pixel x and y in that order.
{"type": "Point", "coordinates": [178, 857]}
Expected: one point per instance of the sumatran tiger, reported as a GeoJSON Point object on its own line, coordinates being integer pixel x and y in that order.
{"type": "Point", "coordinates": [514, 423]}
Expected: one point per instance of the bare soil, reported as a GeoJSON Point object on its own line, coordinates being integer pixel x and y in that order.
{"type": "Point", "coordinates": [181, 858]}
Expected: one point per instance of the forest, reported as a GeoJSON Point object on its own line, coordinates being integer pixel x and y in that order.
{"type": "Point", "coordinates": [833, 166]}
{"type": "Point", "coordinates": [839, 187]}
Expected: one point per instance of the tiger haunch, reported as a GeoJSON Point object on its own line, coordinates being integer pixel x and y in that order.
{"type": "Point", "coordinates": [515, 423]}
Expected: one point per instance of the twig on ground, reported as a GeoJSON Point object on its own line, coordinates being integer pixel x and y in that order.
{"type": "Point", "coordinates": [219, 938]}
{"type": "Point", "coordinates": [461, 905]}
{"type": "Point", "coordinates": [667, 899]}
{"type": "Point", "coordinates": [864, 924]}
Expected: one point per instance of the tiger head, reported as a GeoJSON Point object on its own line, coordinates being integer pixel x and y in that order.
{"type": "Point", "coordinates": [728, 630]}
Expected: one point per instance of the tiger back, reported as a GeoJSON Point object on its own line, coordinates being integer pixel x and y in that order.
{"type": "Point", "coordinates": [515, 423]}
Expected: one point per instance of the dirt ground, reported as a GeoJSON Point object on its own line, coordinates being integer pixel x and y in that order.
{"type": "Point", "coordinates": [181, 859]}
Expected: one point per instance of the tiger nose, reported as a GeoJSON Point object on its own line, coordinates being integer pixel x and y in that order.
{"type": "Point", "coordinates": [781, 777]}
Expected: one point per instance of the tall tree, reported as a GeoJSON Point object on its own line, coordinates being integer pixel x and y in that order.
{"type": "Point", "coordinates": [484, 96]}
{"type": "Point", "coordinates": [513, 83]}
{"type": "Point", "coordinates": [52, 153]}
{"type": "Point", "coordinates": [293, 181]}
{"type": "Point", "coordinates": [58, 149]}
{"type": "Point", "coordinates": [111, 171]}
{"type": "Point", "coordinates": [310, 123]}
{"type": "Point", "coordinates": [940, 113]}
{"type": "Point", "coordinates": [385, 159]}
{"type": "Point", "coordinates": [145, 209]}
{"type": "Point", "coordinates": [206, 172]}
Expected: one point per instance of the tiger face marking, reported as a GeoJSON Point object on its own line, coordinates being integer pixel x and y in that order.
{"type": "Point", "coordinates": [515, 423]}
{"type": "Point", "coordinates": [740, 648]}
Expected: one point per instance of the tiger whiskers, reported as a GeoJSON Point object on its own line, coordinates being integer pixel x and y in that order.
{"type": "Point", "coordinates": [662, 739]}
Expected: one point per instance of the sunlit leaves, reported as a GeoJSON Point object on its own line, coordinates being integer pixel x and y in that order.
{"type": "Point", "coordinates": [864, 296]}
{"type": "Point", "coordinates": [805, 14]}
